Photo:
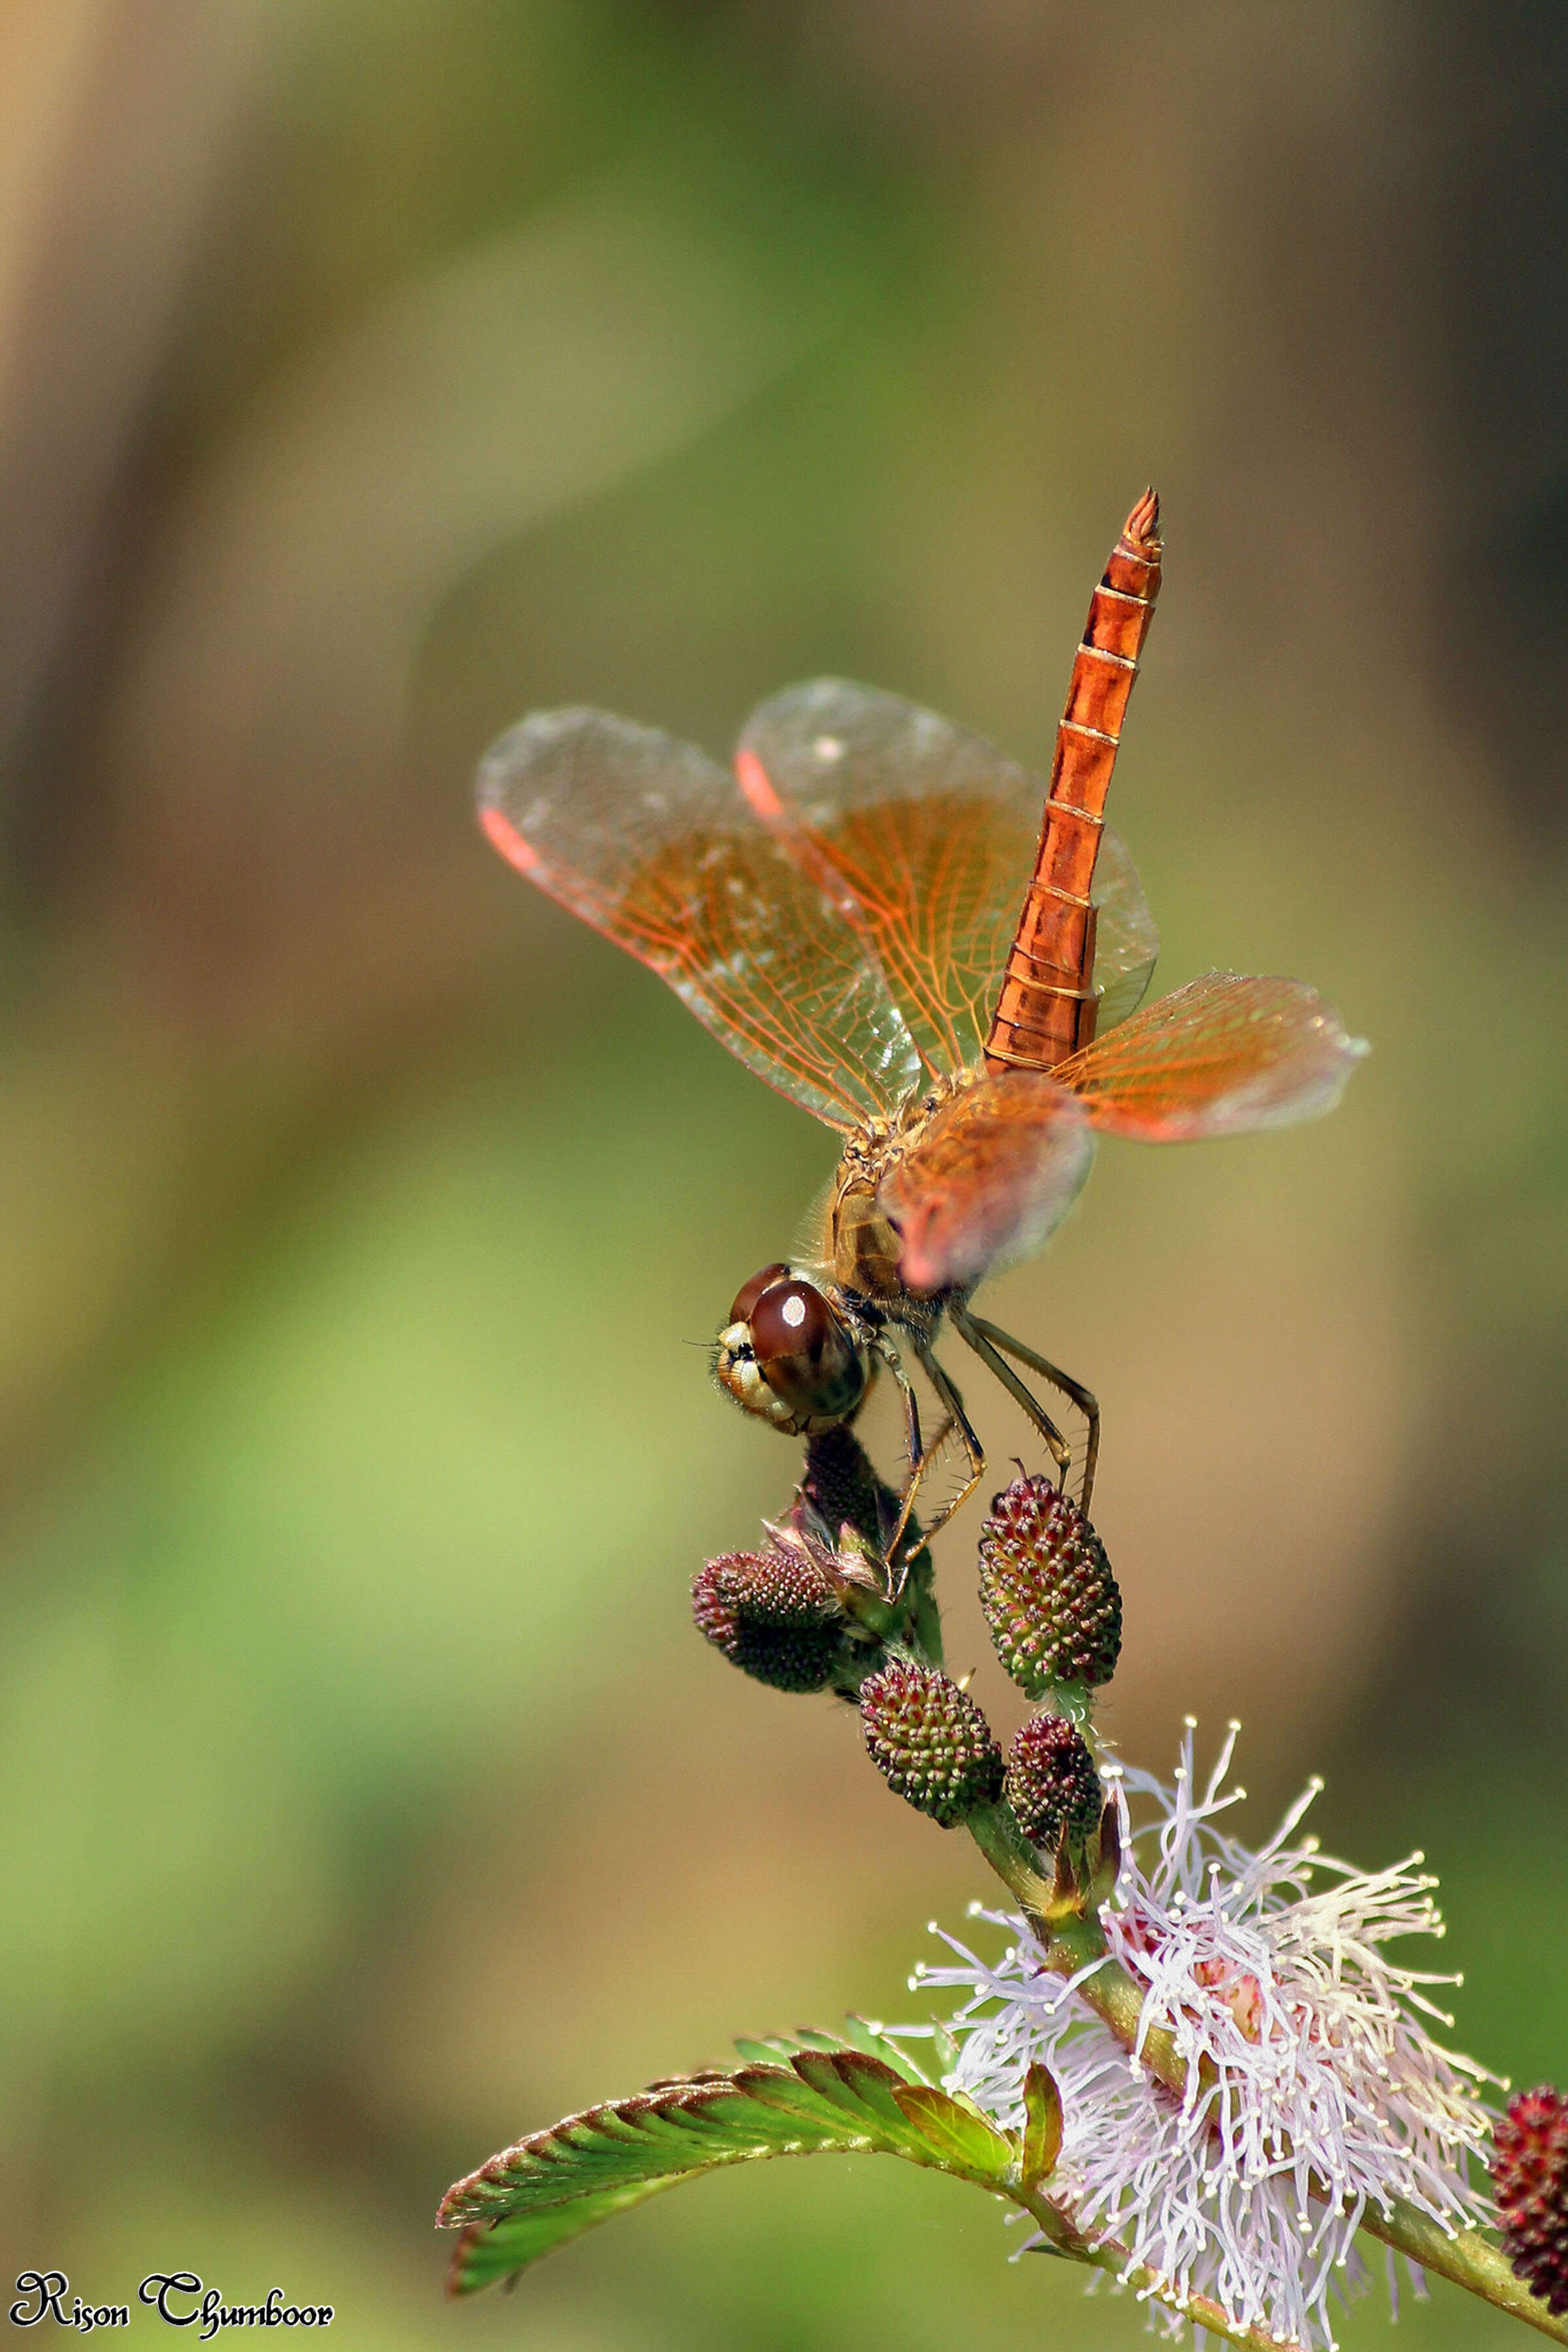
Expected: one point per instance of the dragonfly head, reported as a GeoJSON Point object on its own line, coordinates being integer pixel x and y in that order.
{"type": "Point", "coordinates": [787, 1354]}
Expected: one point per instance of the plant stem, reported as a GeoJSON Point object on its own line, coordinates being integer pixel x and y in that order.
{"type": "Point", "coordinates": [926, 1618]}
{"type": "Point", "coordinates": [994, 1829]}
{"type": "Point", "coordinates": [1468, 2258]}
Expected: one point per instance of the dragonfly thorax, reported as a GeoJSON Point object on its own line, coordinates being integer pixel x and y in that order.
{"type": "Point", "coordinates": [865, 1244]}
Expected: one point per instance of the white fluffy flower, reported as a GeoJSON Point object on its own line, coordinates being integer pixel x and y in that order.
{"type": "Point", "coordinates": [1313, 2090]}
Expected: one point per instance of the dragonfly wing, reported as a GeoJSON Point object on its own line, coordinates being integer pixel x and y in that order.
{"type": "Point", "coordinates": [1224, 1055]}
{"type": "Point", "coordinates": [926, 836]}
{"type": "Point", "coordinates": [648, 840]}
{"type": "Point", "coordinates": [1127, 945]}
{"type": "Point", "coordinates": [990, 1179]}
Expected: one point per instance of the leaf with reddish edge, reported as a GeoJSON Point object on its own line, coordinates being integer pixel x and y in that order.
{"type": "Point", "coordinates": [557, 2183]}
{"type": "Point", "coordinates": [781, 2049]}
{"type": "Point", "coordinates": [966, 2142]}
{"type": "Point", "coordinates": [1042, 2126]}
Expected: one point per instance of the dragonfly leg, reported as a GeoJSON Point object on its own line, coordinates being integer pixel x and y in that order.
{"type": "Point", "coordinates": [1085, 1399]}
{"type": "Point", "coordinates": [988, 1342]}
{"type": "Point", "coordinates": [921, 1455]}
{"type": "Point", "coordinates": [889, 1356]}
{"type": "Point", "coordinates": [955, 1420]}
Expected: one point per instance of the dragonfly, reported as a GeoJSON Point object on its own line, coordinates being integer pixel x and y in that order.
{"type": "Point", "coordinates": [841, 911]}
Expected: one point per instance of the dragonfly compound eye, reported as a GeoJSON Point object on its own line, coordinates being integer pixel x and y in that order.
{"type": "Point", "coordinates": [806, 1354]}
{"type": "Point", "coordinates": [750, 1292]}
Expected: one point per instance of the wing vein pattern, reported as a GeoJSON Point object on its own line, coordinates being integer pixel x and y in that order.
{"type": "Point", "coordinates": [1227, 1054]}
{"type": "Point", "coordinates": [926, 835]}
{"type": "Point", "coordinates": [649, 840]}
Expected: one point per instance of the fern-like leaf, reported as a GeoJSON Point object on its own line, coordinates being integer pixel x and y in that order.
{"type": "Point", "coordinates": [825, 2100]}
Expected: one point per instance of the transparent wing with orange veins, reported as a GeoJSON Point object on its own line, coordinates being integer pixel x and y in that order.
{"type": "Point", "coordinates": [927, 836]}
{"type": "Point", "coordinates": [648, 840]}
{"type": "Point", "coordinates": [1224, 1055]}
{"type": "Point", "coordinates": [989, 1181]}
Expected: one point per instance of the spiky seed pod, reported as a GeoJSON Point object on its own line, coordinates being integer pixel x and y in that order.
{"type": "Point", "coordinates": [930, 1742]}
{"type": "Point", "coordinates": [773, 1615]}
{"type": "Point", "coordinates": [840, 1487]}
{"type": "Point", "coordinates": [1051, 1781]}
{"type": "Point", "coordinates": [1529, 2182]}
{"type": "Point", "coordinates": [1047, 1589]}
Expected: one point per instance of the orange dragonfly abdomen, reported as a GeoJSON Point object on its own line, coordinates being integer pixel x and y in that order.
{"type": "Point", "coordinates": [1046, 1006]}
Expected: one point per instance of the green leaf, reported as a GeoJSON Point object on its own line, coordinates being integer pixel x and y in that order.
{"type": "Point", "coordinates": [1042, 2126]}
{"type": "Point", "coordinates": [555, 2184]}
{"type": "Point", "coordinates": [965, 2141]}
{"type": "Point", "coordinates": [778, 2049]}
{"type": "Point", "coordinates": [488, 2252]}
{"type": "Point", "coordinates": [860, 2033]}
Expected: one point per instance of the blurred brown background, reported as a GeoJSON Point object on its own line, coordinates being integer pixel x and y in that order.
{"type": "Point", "coordinates": [372, 373]}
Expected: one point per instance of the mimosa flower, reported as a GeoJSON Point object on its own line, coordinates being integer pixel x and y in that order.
{"type": "Point", "coordinates": [1314, 2091]}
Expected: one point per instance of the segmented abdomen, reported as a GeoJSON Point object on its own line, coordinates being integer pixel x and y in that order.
{"type": "Point", "coordinates": [1046, 1006]}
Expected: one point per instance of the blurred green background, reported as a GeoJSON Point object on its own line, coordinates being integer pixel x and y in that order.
{"type": "Point", "coordinates": [370, 375]}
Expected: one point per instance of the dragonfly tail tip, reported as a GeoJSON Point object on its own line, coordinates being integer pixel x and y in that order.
{"type": "Point", "coordinates": [1142, 527]}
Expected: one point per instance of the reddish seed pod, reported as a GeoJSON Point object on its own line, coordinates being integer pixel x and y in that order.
{"type": "Point", "coordinates": [1529, 2180]}
{"type": "Point", "coordinates": [930, 1742]}
{"type": "Point", "coordinates": [1045, 1586]}
{"type": "Point", "coordinates": [840, 1487]}
{"type": "Point", "coordinates": [773, 1615]}
{"type": "Point", "coordinates": [1051, 1782]}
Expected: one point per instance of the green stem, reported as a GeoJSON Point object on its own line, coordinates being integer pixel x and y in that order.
{"type": "Point", "coordinates": [994, 1829]}
{"type": "Point", "coordinates": [1111, 1993]}
{"type": "Point", "coordinates": [1468, 2258]}
{"type": "Point", "coordinates": [926, 1618]}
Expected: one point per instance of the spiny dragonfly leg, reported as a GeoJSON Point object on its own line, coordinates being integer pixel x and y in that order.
{"type": "Point", "coordinates": [920, 1456]}
{"type": "Point", "coordinates": [957, 1422]}
{"type": "Point", "coordinates": [889, 1356]}
{"type": "Point", "coordinates": [986, 1339]}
